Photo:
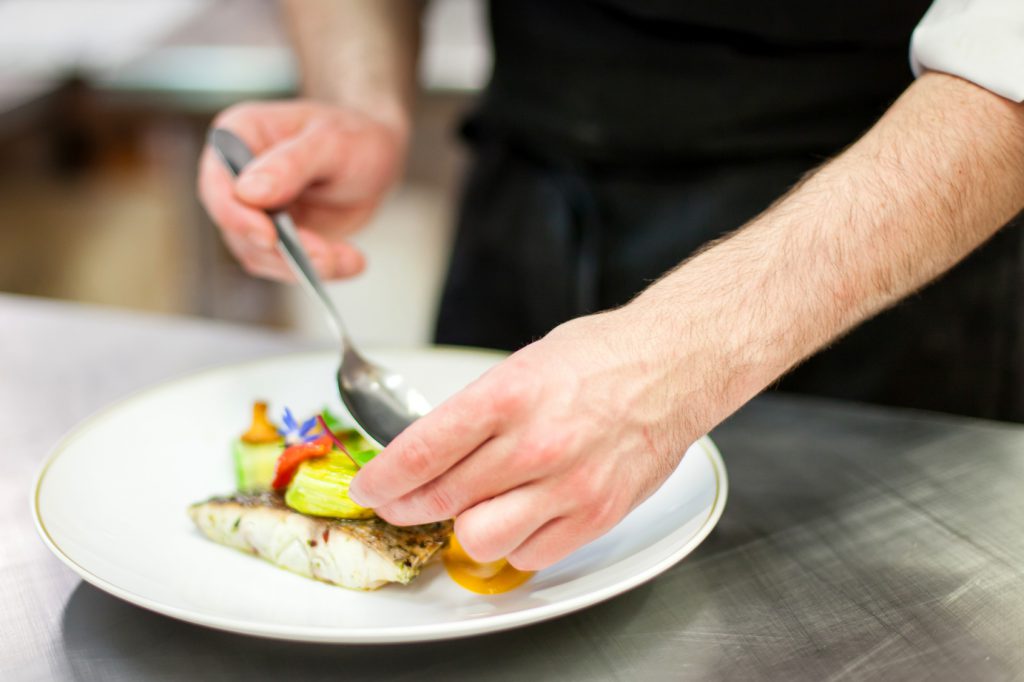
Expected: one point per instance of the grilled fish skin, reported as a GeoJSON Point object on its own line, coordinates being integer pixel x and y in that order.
{"type": "Point", "coordinates": [361, 554]}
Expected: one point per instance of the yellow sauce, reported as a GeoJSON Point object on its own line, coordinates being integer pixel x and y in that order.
{"type": "Point", "coordinates": [493, 577]}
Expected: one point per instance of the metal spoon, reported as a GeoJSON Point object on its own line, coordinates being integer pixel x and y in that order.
{"type": "Point", "coordinates": [380, 401]}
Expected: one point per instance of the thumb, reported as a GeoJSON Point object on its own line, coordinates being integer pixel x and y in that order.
{"type": "Point", "coordinates": [280, 174]}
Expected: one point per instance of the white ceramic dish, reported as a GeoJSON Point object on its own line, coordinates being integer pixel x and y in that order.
{"type": "Point", "coordinates": [110, 503]}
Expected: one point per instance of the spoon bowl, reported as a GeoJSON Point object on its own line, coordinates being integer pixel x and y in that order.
{"type": "Point", "coordinates": [379, 399]}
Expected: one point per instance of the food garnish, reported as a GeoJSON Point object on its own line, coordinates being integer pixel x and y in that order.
{"type": "Point", "coordinates": [361, 456]}
{"type": "Point", "coordinates": [255, 464]}
{"type": "Point", "coordinates": [261, 429]}
{"type": "Point", "coordinates": [326, 430]}
{"type": "Point", "coordinates": [255, 453]}
{"type": "Point", "coordinates": [320, 488]}
{"type": "Point", "coordinates": [294, 455]}
{"type": "Point", "coordinates": [332, 421]}
{"type": "Point", "coordinates": [295, 511]}
{"type": "Point", "coordinates": [294, 432]}
{"type": "Point", "coordinates": [492, 577]}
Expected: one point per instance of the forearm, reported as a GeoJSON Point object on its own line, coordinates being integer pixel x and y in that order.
{"type": "Point", "coordinates": [934, 178]}
{"type": "Point", "coordinates": [359, 54]}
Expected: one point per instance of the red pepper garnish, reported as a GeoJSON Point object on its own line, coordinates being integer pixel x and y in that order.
{"type": "Point", "coordinates": [294, 455]}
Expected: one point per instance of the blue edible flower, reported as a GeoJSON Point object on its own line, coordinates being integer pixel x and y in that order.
{"type": "Point", "coordinates": [294, 432]}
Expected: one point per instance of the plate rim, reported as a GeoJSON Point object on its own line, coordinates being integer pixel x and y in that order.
{"type": "Point", "coordinates": [388, 635]}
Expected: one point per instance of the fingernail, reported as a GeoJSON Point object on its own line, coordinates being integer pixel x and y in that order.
{"type": "Point", "coordinates": [254, 186]}
{"type": "Point", "coordinates": [356, 496]}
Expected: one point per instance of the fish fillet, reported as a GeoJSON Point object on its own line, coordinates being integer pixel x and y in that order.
{"type": "Point", "coordinates": [360, 554]}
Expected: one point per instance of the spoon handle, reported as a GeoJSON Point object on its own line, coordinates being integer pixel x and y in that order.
{"type": "Point", "coordinates": [236, 155]}
{"type": "Point", "coordinates": [291, 248]}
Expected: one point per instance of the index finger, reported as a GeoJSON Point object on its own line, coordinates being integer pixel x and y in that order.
{"type": "Point", "coordinates": [428, 448]}
{"type": "Point", "coordinates": [261, 124]}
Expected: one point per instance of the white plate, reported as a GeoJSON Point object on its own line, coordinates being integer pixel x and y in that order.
{"type": "Point", "coordinates": [110, 502]}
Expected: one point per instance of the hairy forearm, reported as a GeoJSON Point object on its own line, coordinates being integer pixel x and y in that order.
{"type": "Point", "coordinates": [359, 54]}
{"type": "Point", "coordinates": [935, 177]}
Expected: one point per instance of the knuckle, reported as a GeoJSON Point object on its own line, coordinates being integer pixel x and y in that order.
{"type": "Point", "coordinates": [526, 559]}
{"type": "Point", "coordinates": [437, 503]}
{"type": "Point", "coordinates": [533, 454]}
{"type": "Point", "coordinates": [585, 485]}
{"type": "Point", "coordinates": [591, 498]}
{"type": "Point", "coordinates": [250, 267]}
{"type": "Point", "coordinates": [604, 512]}
{"type": "Point", "coordinates": [540, 451]}
{"type": "Point", "coordinates": [417, 459]}
{"type": "Point", "coordinates": [284, 165]}
{"type": "Point", "coordinates": [511, 395]}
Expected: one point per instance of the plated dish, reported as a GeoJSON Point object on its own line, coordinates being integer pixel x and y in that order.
{"type": "Point", "coordinates": [291, 507]}
{"type": "Point", "coordinates": [114, 511]}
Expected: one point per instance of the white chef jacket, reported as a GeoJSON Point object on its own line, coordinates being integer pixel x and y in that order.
{"type": "Point", "coordinates": [981, 41]}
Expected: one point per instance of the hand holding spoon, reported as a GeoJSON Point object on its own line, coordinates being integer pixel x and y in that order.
{"type": "Point", "coordinates": [379, 400]}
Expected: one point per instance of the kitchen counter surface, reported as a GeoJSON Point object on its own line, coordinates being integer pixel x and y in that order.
{"type": "Point", "coordinates": [858, 543]}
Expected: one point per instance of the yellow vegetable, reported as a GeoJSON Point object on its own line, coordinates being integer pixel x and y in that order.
{"type": "Point", "coordinates": [320, 488]}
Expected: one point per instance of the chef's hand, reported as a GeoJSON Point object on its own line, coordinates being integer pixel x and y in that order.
{"type": "Point", "coordinates": [553, 446]}
{"type": "Point", "coordinates": [328, 165]}
{"type": "Point", "coordinates": [546, 451]}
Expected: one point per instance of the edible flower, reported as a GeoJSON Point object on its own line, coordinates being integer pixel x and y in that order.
{"type": "Point", "coordinates": [294, 432]}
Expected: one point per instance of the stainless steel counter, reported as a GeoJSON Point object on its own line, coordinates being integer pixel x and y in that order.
{"type": "Point", "coordinates": [858, 543]}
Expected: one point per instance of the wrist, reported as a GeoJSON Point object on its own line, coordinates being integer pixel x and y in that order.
{"type": "Point", "coordinates": [711, 324]}
{"type": "Point", "coordinates": [392, 113]}
{"type": "Point", "coordinates": [386, 112]}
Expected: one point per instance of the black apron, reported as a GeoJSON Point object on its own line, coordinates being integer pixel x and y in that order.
{"type": "Point", "coordinates": [617, 136]}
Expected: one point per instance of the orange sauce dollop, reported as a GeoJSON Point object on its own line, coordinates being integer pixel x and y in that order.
{"type": "Point", "coordinates": [493, 577]}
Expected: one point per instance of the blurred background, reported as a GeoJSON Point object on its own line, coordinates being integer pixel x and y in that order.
{"type": "Point", "coordinates": [104, 105]}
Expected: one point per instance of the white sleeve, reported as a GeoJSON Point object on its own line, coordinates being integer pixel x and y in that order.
{"type": "Point", "coordinates": [978, 40]}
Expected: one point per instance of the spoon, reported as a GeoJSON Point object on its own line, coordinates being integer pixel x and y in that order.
{"type": "Point", "coordinates": [380, 400]}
